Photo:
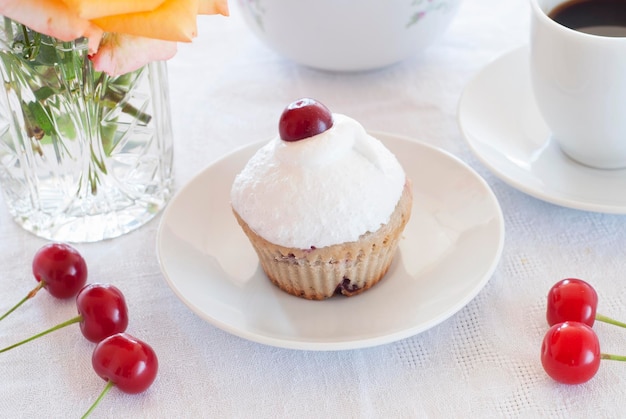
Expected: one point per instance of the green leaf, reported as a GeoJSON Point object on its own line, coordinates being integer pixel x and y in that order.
{"type": "Point", "coordinates": [41, 117]}
{"type": "Point", "coordinates": [107, 133]}
{"type": "Point", "coordinates": [44, 93]}
{"type": "Point", "coordinates": [47, 55]}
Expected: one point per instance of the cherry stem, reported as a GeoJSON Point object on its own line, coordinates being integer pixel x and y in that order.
{"type": "Point", "coordinates": [613, 357]}
{"type": "Point", "coordinates": [106, 389]}
{"type": "Point", "coordinates": [45, 332]}
{"type": "Point", "coordinates": [30, 295]}
{"type": "Point", "coordinates": [602, 318]}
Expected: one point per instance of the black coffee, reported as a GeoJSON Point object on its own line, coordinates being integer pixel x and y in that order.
{"type": "Point", "coordinates": [597, 17]}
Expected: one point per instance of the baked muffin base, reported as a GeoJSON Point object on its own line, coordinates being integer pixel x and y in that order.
{"type": "Point", "coordinates": [346, 268]}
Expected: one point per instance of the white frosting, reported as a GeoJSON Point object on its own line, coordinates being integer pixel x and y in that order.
{"type": "Point", "coordinates": [327, 189]}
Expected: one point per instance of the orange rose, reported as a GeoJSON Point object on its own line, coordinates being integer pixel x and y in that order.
{"type": "Point", "coordinates": [135, 32]}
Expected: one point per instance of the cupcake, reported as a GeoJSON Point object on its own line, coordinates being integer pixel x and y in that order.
{"type": "Point", "coordinates": [323, 203]}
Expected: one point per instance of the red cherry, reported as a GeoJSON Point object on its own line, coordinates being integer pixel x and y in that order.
{"type": "Point", "coordinates": [570, 353]}
{"type": "Point", "coordinates": [127, 362]}
{"type": "Point", "coordinates": [61, 269]}
{"type": "Point", "coordinates": [102, 312]}
{"type": "Point", "coordinates": [58, 268]}
{"type": "Point", "coordinates": [572, 299]}
{"type": "Point", "coordinates": [304, 118]}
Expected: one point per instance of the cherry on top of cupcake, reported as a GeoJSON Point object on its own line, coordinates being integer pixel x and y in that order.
{"type": "Point", "coordinates": [304, 118]}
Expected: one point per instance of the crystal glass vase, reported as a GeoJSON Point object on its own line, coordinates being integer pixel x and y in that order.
{"type": "Point", "coordinates": [84, 156]}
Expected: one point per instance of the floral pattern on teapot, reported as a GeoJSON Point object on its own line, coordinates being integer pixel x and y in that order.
{"type": "Point", "coordinates": [425, 7]}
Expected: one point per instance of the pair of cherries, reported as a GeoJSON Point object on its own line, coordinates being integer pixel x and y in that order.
{"type": "Point", "coordinates": [570, 351]}
{"type": "Point", "coordinates": [118, 358]}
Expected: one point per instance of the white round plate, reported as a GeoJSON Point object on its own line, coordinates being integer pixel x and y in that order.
{"type": "Point", "coordinates": [450, 249]}
{"type": "Point", "coordinates": [502, 125]}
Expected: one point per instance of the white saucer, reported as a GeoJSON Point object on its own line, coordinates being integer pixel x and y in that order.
{"type": "Point", "coordinates": [503, 127]}
{"type": "Point", "coordinates": [449, 251]}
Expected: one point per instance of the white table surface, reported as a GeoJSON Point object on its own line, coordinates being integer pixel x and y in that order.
{"type": "Point", "coordinates": [227, 90]}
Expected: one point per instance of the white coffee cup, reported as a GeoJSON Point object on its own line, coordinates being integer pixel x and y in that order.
{"type": "Point", "coordinates": [579, 82]}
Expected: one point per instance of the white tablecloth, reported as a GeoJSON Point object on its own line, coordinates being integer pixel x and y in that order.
{"type": "Point", "coordinates": [228, 89]}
